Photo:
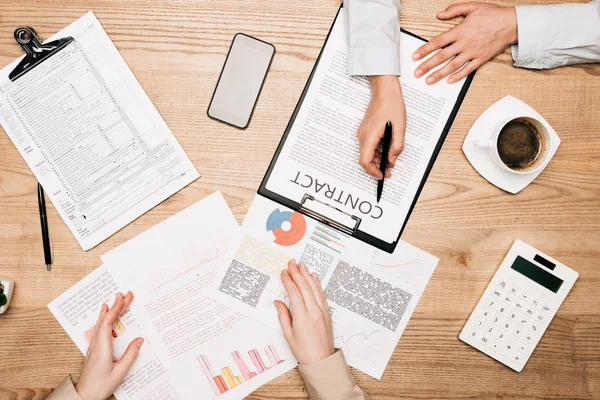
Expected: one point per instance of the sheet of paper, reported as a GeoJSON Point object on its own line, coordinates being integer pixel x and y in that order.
{"type": "Point", "coordinates": [91, 135]}
{"type": "Point", "coordinates": [371, 294]}
{"type": "Point", "coordinates": [77, 311]}
{"type": "Point", "coordinates": [320, 155]}
{"type": "Point", "coordinates": [210, 350]}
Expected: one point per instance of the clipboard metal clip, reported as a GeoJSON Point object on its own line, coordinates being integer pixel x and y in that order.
{"type": "Point", "coordinates": [329, 215]}
{"type": "Point", "coordinates": [35, 51]}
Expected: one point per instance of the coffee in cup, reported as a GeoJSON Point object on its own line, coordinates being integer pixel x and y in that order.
{"type": "Point", "coordinates": [520, 143]}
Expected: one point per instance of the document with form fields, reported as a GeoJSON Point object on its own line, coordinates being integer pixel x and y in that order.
{"type": "Point", "coordinates": [91, 135]}
{"type": "Point", "coordinates": [319, 153]}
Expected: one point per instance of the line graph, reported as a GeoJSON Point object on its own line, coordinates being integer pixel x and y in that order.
{"type": "Point", "coordinates": [216, 253]}
{"type": "Point", "coordinates": [364, 335]}
{"type": "Point", "coordinates": [396, 265]}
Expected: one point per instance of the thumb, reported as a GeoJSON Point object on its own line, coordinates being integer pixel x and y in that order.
{"type": "Point", "coordinates": [285, 319]}
{"type": "Point", "coordinates": [457, 9]}
{"type": "Point", "coordinates": [128, 357]}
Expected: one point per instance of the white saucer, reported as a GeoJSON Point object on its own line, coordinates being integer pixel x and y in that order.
{"type": "Point", "coordinates": [502, 110]}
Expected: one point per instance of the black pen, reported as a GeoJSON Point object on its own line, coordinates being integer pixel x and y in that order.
{"type": "Point", "coordinates": [387, 141]}
{"type": "Point", "coordinates": [44, 222]}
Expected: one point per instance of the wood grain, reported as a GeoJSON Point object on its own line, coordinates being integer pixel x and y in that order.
{"type": "Point", "coordinates": [176, 50]}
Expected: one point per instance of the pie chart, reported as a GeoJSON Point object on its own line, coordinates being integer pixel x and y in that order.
{"type": "Point", "coordinates": [288, 227]}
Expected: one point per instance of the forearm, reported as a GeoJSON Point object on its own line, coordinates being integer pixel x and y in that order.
{"type": "Point", "coordinates": [551, 36]}
{"type": "Point", "coordinates": [373, 32]}
{"type": "Point", "coordinates": [66, 391]}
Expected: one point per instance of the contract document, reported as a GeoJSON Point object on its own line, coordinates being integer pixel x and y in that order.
{"type": "Point", "coordinates": [319, 153]}
{"type": "Point", "coordinates": [91, 135]}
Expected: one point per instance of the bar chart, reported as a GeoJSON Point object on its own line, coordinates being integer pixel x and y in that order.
{"type": "Point", "coordinates": [228, 379]}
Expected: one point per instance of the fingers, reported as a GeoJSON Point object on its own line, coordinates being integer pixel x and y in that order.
{"type": "Point", "coordinates": [128, 299]}
{"type": "Point", "coordinates": [303, 285]}
{"type": "Point", "coordinates": [438, 58]}
{"type": "Point", "coordinates": [398, 131]}
{"type": "Point", "coordinates": [467, 69]}
{"type": "Point", "coordinates": [367, 154]}
{"type": "Point", "coordinates": [457, 9]}
{"type": "Point", "coordinates": [296, 300]}
{"type": "Point", "coordinates": [103, 311]}
{"type": "Point", "coordinates": [128, 358]}
{"type": "Point", "coordinates": [457, 63]}
{"type": "Point", "coordinates": [434, 44]}
{"type": "Point", "coordinates": [315, 285]}
{"type": "Point", "coordinates": [285, 319]}
{"type": "Point", "coordinates": [113, 314]}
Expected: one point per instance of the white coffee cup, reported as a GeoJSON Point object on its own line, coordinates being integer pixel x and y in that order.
{"type": "Point", "coordinates": [543, 155]}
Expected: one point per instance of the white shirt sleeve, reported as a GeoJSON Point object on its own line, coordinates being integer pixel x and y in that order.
{"type": "Point", "coordinates": [555, 35]}
{"type": "Point", "coordinates": [373, 30]}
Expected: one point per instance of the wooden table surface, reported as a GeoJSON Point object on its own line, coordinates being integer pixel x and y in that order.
{"type": "Point", "coordinates": [176, 49]}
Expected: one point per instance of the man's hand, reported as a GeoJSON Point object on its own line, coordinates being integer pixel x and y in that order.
{"type": "Point", "coordinates": [102, 373]}
{"type": "Point", "coordinates": [387, 104]}
{"type": "Point", "coordinates": [307, 326]}
{"type": "Point", "coordinates": [485, 32]}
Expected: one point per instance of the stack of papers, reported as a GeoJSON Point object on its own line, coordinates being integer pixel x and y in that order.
{"type": "Point", "coordinates": [204, 291]}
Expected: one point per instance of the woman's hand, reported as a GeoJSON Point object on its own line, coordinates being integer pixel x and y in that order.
{"type": "Point", "coordinates": [485, 32]}
{"type": "Point", "coordinates": [387, 104]}
{"type": "Point", "coordinates": [307, 328]}
{"type": "Point", "coordinates": [102, 373]}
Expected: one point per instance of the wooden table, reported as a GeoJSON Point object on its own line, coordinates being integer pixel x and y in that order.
{"type": "Point", "coordinates": [176, 50]}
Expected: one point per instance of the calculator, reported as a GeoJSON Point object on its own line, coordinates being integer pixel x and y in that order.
{"type": "Point", "coordinates": [518, 305]}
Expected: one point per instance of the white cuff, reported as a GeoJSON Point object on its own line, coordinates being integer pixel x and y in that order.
{"type": "Point", "coordinates": [374, 60]}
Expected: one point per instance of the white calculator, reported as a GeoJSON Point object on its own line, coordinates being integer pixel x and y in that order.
{"type": "Point", "coordinates": [518, 305]}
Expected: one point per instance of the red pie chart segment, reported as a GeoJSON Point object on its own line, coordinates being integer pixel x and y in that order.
{"type": "Point", "coordinates": [296, 232]}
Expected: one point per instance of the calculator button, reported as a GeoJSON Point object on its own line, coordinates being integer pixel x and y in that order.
{"type": "Point", "coordinates": [506, 325]}
{"type": "Point", "coordinates": [524, 296]}
{"type": "Point", "coordinates": [473, 334]}
{"type": "Point", "coordinates": [494, 347]}
{"type": "Point", "coordinates": [497, 294]}
{"type": "Point", "coordinates": [535, 302]}
{"type": "Point", "coordinates": [500, 336]}
{"type": "Point", "coordinates": [513, 291]}
{"type": "Point", "coordinates": [546, 308]}
{"type": "Point", "coordinates": [513, 316]}
{"type": "Point", "coordinates": [517, 358]}
{"type": "Point", "coordinates": [529, 311]}
{"type": "Point", "coordinates": [540, 318]}
{"type": "Point", "coordinates": [535, 328]}
{"type": "Point", "coordinates": [523, 321]}
{"type": "Point", "coordinates": [518, 332]}
{"type": "Point", "coordinates": [490, 303]}
{"type": "Point", "coordinates": [478, 325]}
{"type": "Point", "coordinates": [518, 305]}
{"type": "Point", "coordinates": [502, 309]}
{"type": "Point", "coordinates": [508, 299]}
{"type": "Point", "coordinates": [528, 338]}
{"type": "Point", "coordinates": [496, 320]}
{"type": "Point", "coordinates": [484, 314]}
{"type": "Point", "coordinates": [502, 284]}
{"type": "Point", "coordinates": [489, 331]}
{"type": "Point", "coordinates": [522, 348]}
{"type": "Point", "coordinates": [484, 339]}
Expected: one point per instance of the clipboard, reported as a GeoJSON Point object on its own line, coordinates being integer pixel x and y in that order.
{"type": "Point", "coordinates": [329, 214]}
{"type": "Point", "coordinates": [35, 51]}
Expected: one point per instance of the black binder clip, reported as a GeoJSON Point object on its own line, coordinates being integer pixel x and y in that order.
{"type": "Point", "coordinates": [35, 51]}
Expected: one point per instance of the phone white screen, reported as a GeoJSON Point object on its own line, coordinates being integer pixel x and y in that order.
{"type": "Point", "coordinates": [241, 80]}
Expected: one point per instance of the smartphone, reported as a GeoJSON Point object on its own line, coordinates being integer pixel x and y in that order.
{"type": "Point", "coordinates": [241, 80]}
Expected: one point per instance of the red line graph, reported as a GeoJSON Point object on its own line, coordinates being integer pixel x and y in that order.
{"type": "Point", "coordinates": [203, 261]}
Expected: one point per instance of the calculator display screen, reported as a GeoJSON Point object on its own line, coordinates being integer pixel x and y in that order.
{"type": "Point", "coordinates": [536, 274]}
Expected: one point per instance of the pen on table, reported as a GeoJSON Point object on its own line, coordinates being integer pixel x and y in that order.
{"type": "Point", "coordinates": [387, 141]}
{"type": "Point", "coordinates": [44, 223]}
